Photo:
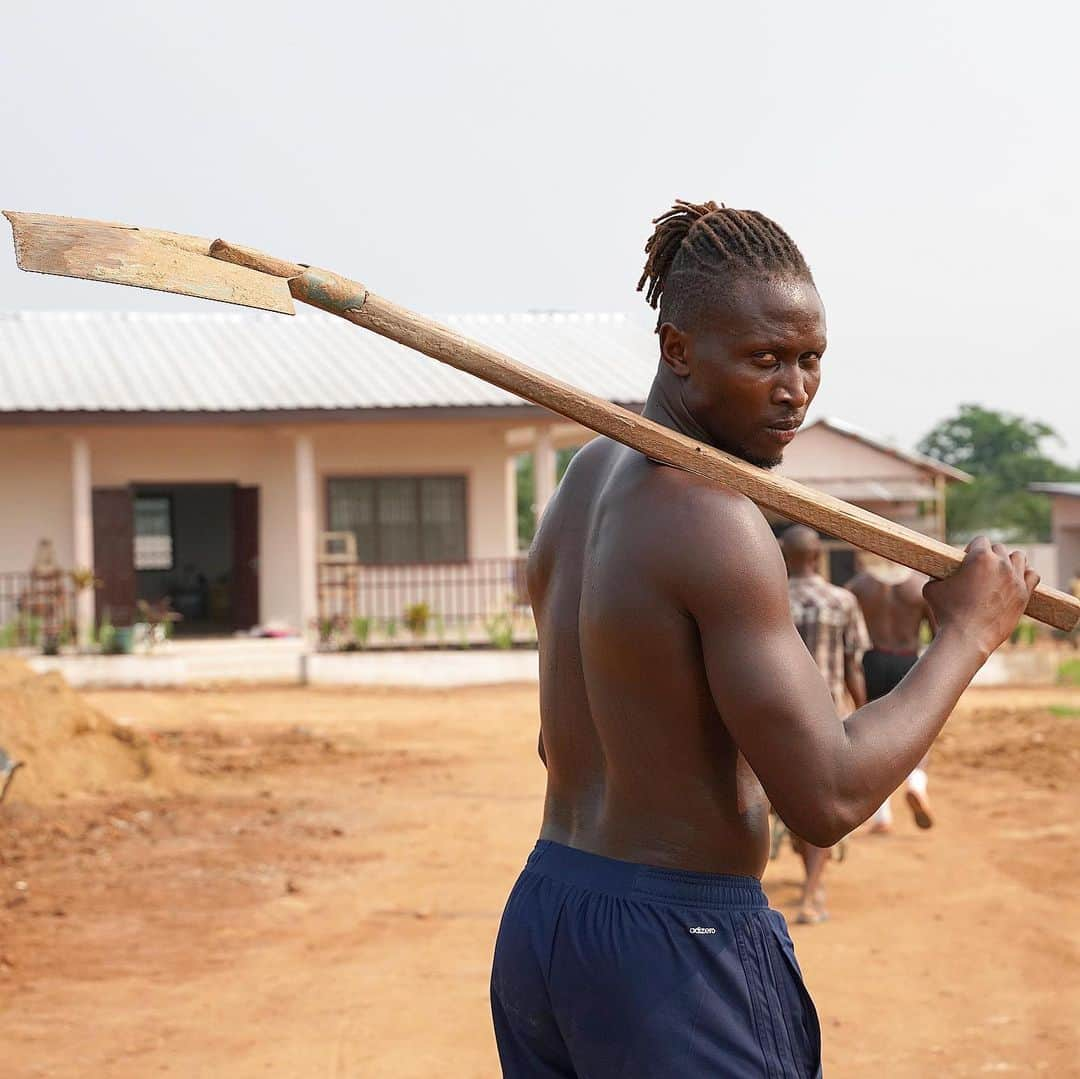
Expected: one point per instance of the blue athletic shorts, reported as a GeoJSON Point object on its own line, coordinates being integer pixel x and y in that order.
{"type": "Point", "coordinates": [610, 970]}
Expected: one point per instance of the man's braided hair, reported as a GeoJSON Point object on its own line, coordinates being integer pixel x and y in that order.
{"type": "Point", "coordinates": [698, 248]}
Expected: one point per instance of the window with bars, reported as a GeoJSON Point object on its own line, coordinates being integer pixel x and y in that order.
{"type": "Point", "coordinates": [401, 518]}
{"type": "Point", "coordinates": [153, 532]}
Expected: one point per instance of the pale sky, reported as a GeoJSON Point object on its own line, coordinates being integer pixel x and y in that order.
{"type": "Point", "coordinates": [484, 156]}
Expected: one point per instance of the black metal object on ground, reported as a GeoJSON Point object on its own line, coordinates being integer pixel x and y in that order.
{"type": "Point", "coordinates": [8, 768]}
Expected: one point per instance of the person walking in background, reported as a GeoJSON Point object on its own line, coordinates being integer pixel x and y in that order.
{"type": "Point", "coordinates": [892, 603]}
{"type": "Point", "coordinates": [831, 626]}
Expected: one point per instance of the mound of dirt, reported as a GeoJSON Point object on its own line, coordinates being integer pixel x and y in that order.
{"type": "Point", "coordinates": [66, 746]}
{"type": "Point", "coordinates": [1039, 745]}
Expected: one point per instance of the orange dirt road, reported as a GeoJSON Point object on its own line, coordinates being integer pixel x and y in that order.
{"type": "Point", "coordinates": [320, 897]}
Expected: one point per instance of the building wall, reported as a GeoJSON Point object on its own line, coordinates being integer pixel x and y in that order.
{"type": "Point", "coordinates": [205, 453]}
{"type": "Point", "coordinates": [1066, 510]}
{"type": "Point", "coordinates": [36, 481]}
{"type": "Point", "coordinates": [35, 497]}
{"type": "Point", "coordinates": [36, 485]}
{"type": "Point", "coordinates": [820, 454]}
{"type": "Point", "coordinates": [475, 449]}
{"type": "Point", "coordinates": [1043, 558]}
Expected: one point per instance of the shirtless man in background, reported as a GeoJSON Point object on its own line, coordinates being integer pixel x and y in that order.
{"type": "Point", "coordinates": [894, 608]}
{"type": "Point", "coordinates": [677, 701]}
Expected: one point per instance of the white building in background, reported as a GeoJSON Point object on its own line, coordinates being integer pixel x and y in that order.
{"type": "Point", "coordinates": [204, 457]}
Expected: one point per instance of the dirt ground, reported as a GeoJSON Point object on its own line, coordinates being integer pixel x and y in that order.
{"type": "Point", "coordinates": [319, 896]}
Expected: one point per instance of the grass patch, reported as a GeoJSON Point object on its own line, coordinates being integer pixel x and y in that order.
{"type": "Point", "coordinates": [1065, 711]}
{"type": "Point", "coordinates": [1069, 673]}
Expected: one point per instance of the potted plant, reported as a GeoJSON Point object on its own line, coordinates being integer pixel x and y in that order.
{"type": "Point", "coordinates": [83, 580]}
{"type": "Point", "coordinates": [106, 635]}
{"type": "Point", "coordinates": [417, 616]}
{"type": "Point", "coordinates": [158, 618]}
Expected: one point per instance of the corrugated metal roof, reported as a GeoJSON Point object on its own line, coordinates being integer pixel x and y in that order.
{"type": "Point", "coordinates": [1070, 489]}
{"type": "Point", "coordinates": [55, 362]}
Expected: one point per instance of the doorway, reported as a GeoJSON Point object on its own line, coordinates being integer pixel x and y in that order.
{"type": "Point", "coordinates": [195, 544]}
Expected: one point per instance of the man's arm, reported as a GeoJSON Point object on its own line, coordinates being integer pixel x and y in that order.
{"type": "Point", "coordinates": [824, 776]}
{"type": "Point", "coordinates": [856, 642]}
{"type": "Point", "coordinates": [854, 679]}
{"type": "Point", "coordinates": [928, 618]}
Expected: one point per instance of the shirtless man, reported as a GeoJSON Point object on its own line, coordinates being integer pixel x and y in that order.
{"type": "Point", "coordinates": [677, 701]}
{"type": "Point", "coordinates": [893, 605]}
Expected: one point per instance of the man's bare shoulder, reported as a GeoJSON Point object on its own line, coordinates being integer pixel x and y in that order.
{"type": "Point", "coordinates": [686, 532]}
{"type": "Point", "coordinates": [594, 455]}
{"type": "Point", "coordinates": [863, 583]}
{"type": "Point", "coordinates": [578, 488]}
{"type": "Point", "coordinates": [672, 493]}
{"type": "Point", "coordinates": [709, 511]}
{"type": "Point", "coordinates": [715, 538]}
{"type": "Point", "coordinates": [911, 589]}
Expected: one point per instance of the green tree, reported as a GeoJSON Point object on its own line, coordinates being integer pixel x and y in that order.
{"type": "Point", "coordinates": [526, 518]}
{"type": "Point", "coordinates": [1004, 453]}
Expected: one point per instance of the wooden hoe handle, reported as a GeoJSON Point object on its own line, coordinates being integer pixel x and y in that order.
{"type": "Point", "coordinates": [820, 511]}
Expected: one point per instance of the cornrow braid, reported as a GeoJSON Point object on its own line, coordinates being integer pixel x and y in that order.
{"type": "Point", "coordinates": [698, 246]}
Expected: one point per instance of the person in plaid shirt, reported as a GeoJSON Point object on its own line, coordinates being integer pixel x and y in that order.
{"type": "Point", "coordinates": [831, 625]}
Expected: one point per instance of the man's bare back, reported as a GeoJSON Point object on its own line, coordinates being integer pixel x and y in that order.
{"type": "Point", "coordinates": [894, 611]}
{"type": "Point", "coordinates": [640, 765]}
{"type": "Point", "coordinates": [671, 674]}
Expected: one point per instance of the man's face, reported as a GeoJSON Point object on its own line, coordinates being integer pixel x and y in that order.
{"type": "Point", "coordinates": [751, 367]}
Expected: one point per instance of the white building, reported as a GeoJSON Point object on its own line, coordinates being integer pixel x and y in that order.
{"type": "Point", "coordinates": [203, 457]}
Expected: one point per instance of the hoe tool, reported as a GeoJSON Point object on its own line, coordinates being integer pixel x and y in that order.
{"type": "Point", "coordinates": [217, 270]}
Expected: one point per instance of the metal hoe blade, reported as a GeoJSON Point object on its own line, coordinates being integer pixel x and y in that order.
{"type": "Point", "coordinates": [8, 768]}
{"type": "Point", "coordinates": [147, 258]}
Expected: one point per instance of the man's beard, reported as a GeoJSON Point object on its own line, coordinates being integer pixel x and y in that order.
{"type": "Point", "coordinates": [761, 462]}
{"type": "Point", "coordinates": [750, 458]}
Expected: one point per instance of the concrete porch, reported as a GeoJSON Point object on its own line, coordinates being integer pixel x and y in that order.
{"type": "Point", "coordinates": [288, 661]}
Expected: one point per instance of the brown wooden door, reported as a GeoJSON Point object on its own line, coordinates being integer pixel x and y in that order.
{"type": "Point", "coordinates": [114, 553]}
{"type": "Point", "coordinates": [245, 578]}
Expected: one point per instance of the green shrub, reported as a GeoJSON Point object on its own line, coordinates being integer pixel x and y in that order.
{"type": "Point", "coordinates": [500, 631]}
{"type": "Point", "coordinates": [361, 630]}
{"type": "Point", "coordinates": [417, 616]}
{"type": "Point", "coordinates": [1069, 673]}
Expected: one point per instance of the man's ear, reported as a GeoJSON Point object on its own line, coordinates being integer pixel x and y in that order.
{"type": "Point", "coordinates": [674, 346]}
